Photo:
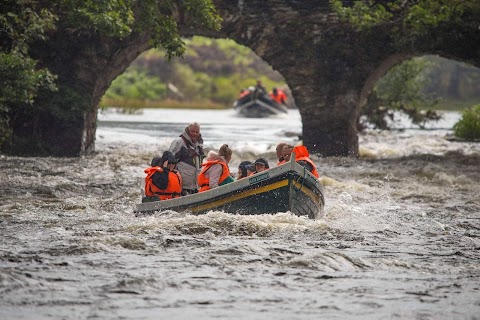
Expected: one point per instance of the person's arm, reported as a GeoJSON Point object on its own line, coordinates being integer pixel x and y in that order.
{"type": "Point", "coordinates": [176, 145]}
{"type": "Point", "coordinates": [215, 172]}
{"type": "Point", "coordinates": [160, 179]}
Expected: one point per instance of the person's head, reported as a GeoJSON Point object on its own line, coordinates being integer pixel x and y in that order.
{"type": "Point", "coordinates": [275, 91]}
{"type": "Point", "coordinates": [156, 162]}
{"type": "Point", "coordinates": [261, 165]}
{"type": "Point", "coordinates": [225, 152]}
{"type": "Point", "coordinates": [168, 160]}
{"type": "Point", "coordinates": [193, 131]}
{"type": "Point", "coordinates": [244, 169]}
{"type": "Point", "coordinates": [279, 150]}
{"type": "Point", "coordinates": [287, 152]}
{"type": "Point", "coordinates": [259, 82]}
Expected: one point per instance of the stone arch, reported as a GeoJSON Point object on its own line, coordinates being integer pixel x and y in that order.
{"type": "Point", "coordinates": [329, 67]}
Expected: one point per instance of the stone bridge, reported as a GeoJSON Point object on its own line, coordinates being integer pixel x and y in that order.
{"type": "Point", "coordinates": [329, 67]}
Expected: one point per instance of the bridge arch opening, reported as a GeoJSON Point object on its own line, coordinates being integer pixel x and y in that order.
{"type": "Point", "coordinates": [417, 87]}
{"type": "Point", "coordinates": [209, 75]}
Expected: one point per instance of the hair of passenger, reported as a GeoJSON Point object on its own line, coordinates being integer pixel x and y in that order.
{"type": "Point", "coordinates": [280, 146]}
{"type": "Point", "coordinates": [244, 166]}
{"type": "Point", "coordinates": [225, 151]}
{"type": "Point", "coordinates": [193, 124]}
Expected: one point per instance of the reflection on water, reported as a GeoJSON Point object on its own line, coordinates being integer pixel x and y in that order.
{"type": "Point", "coordinates": [400, 237]}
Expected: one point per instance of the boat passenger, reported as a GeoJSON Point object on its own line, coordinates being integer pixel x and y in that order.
{"type": "Point", "coordinates": [245, 169]}
{"type": "Point", "coordinates": [278, 95]}
{"type": "Point", "coordinates": [215, 170]}
{"type": "Point", "coordinates": [163, 181]}
{"type": "Point", "coordinates": [279, 150]}
{"type": "Point", "coordinates": [302, 158]}
{"type": "Point", "coordinates": [188, 149]}
{"type": "Point", "coordinates": [286, 152]}
{"type": "Point", "coordinates": [244, 93]}
{"type": "Point", "coordinates": [261, 164]}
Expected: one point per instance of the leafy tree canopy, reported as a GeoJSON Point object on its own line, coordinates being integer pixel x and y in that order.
{"type": "Point", "coordinates": [405, 15]}
{"type": "Point", "coordinates": [23, 22]}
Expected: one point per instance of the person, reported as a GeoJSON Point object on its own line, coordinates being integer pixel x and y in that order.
{"type": "Point", "coordinates": [244, 92]}
{"type": "Point", "coordinates": [245, 169]}
{"type": "Point", "coordinates": [215, 171]}
{"type": "Point", "coordinates": [278, 95]}
{"type": "Point", "coordinates": [188, 149]}
{"type": "Point", "coordinates": [261, 164]}
{"type": "Point", "coordinates": [286, 153]}
{"type": "Point", "coordinates": [301, 157]}
{"type": "Point", "coordinates": [163, 181]}
{"type": "Point", "coordinates": [279, 150]}
{"type": "Point", "coordinates": [259, 86]}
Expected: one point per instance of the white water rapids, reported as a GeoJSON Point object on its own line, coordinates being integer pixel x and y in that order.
{"type": "Point", "coordinates": [400, 238]}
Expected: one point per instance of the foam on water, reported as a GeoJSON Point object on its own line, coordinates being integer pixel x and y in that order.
{"type": "Point", "coordinates": [399, 237]}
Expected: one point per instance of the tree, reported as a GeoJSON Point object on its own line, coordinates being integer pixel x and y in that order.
{"type": "Point", "coordinates": [21, 79]}
{"type": "Point", "coordinates": [63, 37]}
{"type": "Point", "coordinates": [401, 89]}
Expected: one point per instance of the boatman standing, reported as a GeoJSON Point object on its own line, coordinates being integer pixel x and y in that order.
{"type": "Point", "coordinates": [188, 149]}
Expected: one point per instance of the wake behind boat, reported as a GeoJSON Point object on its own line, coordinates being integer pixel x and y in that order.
{"type": "Point", "coordinates": [258, 104]}
{"type": "Point", "coordinates": [289, 187]}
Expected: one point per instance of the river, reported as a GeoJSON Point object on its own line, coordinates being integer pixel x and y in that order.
{"type": "Point", "coordinates": [400, 237]}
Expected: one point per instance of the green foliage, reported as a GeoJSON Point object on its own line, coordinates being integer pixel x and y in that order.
{"type": "Point", "coordinates": [212, 70]}
{"type": "Point", "coordinates": [27, 91]}
{"type": "Point", "coordinates": [23, 21]}
{"type": "Point", "coordinates": [362, 14]}
{"type": "Point", "coordinates": [468, 127]}
{"type": "Point", "coordinates": [136, 84]}
{"type": "Point", "coordinates": [401, 89]}
{"type": "Point", "coordinates": [19, 85]}
{"type": "Point", "coordinates": [410, 16]}
{"type": "Point", "coordinates": [112, 18]}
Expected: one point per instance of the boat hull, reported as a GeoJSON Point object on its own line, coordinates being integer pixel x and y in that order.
{"type": "Point", "coordinates": [258, 107]}
{"type": "Point", "coordinates": [287, 188]}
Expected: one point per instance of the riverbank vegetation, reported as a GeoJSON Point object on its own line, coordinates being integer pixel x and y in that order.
{"type": "Point", "coordinates": [209, 75]}
{"type": "Point", "coordinates": [468, 127]}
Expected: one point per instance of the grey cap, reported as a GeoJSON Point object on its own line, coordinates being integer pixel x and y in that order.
{"type": "Point", "coordinates": [263, 161]}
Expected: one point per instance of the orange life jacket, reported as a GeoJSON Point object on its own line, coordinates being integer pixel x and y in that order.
{"type": "Point", "coordinates": [301, 154]}
{"type": "Point", "coordinates": [204, 181]}
{"type": "Point", "coordinates": [173, 190]}
{"type": "Point", "coordinates": [281, 97]}
{"type": "Point", "coordinates": [244, 93]}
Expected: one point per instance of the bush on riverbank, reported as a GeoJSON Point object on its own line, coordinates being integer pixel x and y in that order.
{"type": "Point", "coordinates": [468, 127]}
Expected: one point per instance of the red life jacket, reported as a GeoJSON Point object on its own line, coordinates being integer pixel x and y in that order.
{"type": "Point", "coordinates": [204, 181]}
{"type": "Point", "coordinates": [301, 154]}
{"type": "Point", "coordinates": [173, 190]}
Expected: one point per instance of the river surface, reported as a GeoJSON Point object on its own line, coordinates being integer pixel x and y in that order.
{"type": "Point", "coordinates": [400, 237]}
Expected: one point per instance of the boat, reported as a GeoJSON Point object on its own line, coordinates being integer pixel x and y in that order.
{"type": "Point", "coordinates": [257, 104]}
{"type": "Point", "coordinates": [285, 188]}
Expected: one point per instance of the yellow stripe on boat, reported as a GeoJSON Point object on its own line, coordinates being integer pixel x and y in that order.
{"type": "Point", "coordinates": [312, 195]}
{"type": "Point", "coordinates": [241, 195]}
